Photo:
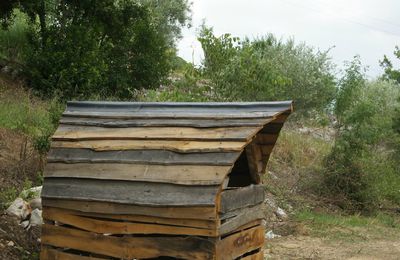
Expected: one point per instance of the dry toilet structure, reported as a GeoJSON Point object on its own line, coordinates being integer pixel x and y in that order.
{"type": "Point", "coordinates": [128, 180]}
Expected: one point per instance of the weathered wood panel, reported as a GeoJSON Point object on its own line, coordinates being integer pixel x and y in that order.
{"type": "Point", "coordinates": [149, 157]}
{"type": "Point", "coordinates": [200, 213]}
{"type": "Point", "coordinates": [259, 255]}
{"type": "Point", "coordinates": [136, 193]}
{"type": "Point", "coordinates": [183, 222]}
{"type": "Point", "coordinates": [127, 247]}
{"type": "Point", "coordinates": [197, 123]}
{"type": "Point", "coordinates": [272, 128]}
{"type": "Point", "coordinates": [240, 243]}
{"type": "Point", "coordinates": [244, 216]}
{"type": "Point", "coordinates": [116, 227]}
{"type": "Point", "coordinates": [242, 197]}
{"type": "Point", "coordinates": [177, 174]}
{"type": "Point", "coordinates": [48, 253]}
{"type": "Point", "coordinates": [176, 146]}
{"type": "Point", "coordinates": [154, 133]}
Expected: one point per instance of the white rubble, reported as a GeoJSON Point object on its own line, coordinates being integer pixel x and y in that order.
{"type": "Point", "coordinates": [36, 218]}
{"type": "Point", "coordinates": [271, 235]}
{"type": "Point", "coordinates": [281, 214]}
{"type": "Point", "coordinates": [33, 192]}
{"type": "Point", "coordinates": [19, 208]}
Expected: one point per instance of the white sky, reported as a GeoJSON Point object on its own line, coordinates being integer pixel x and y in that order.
{"type": "Point", "coordinates": [365, 27]}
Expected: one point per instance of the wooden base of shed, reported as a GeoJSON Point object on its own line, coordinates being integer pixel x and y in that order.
{"type": "Point", "coordinates": [66, 242]}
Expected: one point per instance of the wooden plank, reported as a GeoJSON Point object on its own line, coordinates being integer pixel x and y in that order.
{"type": "Point", "coordinates": [154, 133]}
{"type": "Point", "coordinates": [240, 243]}
{"type": "Point", "coordinates": [241, 197]}
{"type": "Point", "coordinates": [199, 213]}
{"type": "Point", "coordinates": [259, 255]}
{"type": "Point", "coordinates": [173, 115]}
{"type": "Point", "coordinates": [245, 216]}
{"type": "Point", "coordinates": [128, 192]}
{"type": "Point", "coordinates": [197, 123]}
{"type": "Point", "coordinates": [157, 157]}
{"type": "Point", "coordinates": [267, 139]}
{"type": "Point", "coordinates": [183, 222]}
{"type": "Point", "coordinates": [272, 128]}
{"type": "Point", "coordinates": [48, 253]}
{"type": "Point", "coordinates": [255, 162]}
{"type": "Point", "coordinates": [176, 146]}
{"type": "Point", "coordinates": [189, 247]}
{"type": "Point", "coordinates": [117, 227]}
{"type": "Point", "coordinates": [177, 174]}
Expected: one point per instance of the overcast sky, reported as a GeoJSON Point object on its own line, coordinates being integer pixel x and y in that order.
{"type": "Point", "coordinates": [365, 27]}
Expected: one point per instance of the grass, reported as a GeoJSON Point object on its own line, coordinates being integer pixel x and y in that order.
{"type": "Point", "coordinates": [27, 115]}
{"type": "Point", "coordinates": [349, 228]}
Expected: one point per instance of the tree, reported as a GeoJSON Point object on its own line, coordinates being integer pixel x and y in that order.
{"type": "Point", "coordinates": [86, 48]}
{"type": "Point", "coordinates": [391, 73]}
{"type": "Point", "coordinates": [268, 69]}
{"type": "Point", "coordinates": [360, 168]}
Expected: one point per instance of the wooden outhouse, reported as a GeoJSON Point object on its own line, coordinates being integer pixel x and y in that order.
{"type": "Point", "coordinates": [148, 180]}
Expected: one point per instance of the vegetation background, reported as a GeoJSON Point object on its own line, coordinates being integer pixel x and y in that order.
{"type": "Point", "coordinates": [340, 149]}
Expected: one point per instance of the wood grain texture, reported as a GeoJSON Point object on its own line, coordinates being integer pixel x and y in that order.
{"type": "Point", "coordinates": [242, 197]}
{"type": "Point", "coordinates": [170, 145]}
{"type": "Point", "coordinates": [128, 247]}
{"type": "Point", "coordinates": [240, 243]}
{"type": "Point", "coordinates": [183, 222]}
{"type": "Point", "coordinates": [154, 133]}
{"type": "Point", "coordinates": [197, 123]}
{"type": "Point", "coordinates": [48, 253]}
{"type": "Point", "coordinates": [199, 213]}
{"type": "Point", "coordinates": [245, 216]}
{"type": "Point", "coordinates": [102, 226]}
{"type": "Point", "coordinates": [156, 157]}
{"type": "Point", "coordinates": [135, 193]}
{"type": "Point", "coordinates": [228, 114]}
{"type": "Point", "coordinates": [176, 174]}
{"type": "Point", "coordinates": [259, 255]}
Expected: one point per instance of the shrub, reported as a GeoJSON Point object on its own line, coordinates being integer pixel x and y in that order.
{"type": "Point", "coordinates": [268, 69]}
{"type": "Point", "coordinates": [361, 169]}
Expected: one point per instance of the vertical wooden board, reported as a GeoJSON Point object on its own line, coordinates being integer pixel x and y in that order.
{"type": "Point", "coordinates": [186, 247]}
{"type": "Point", "coordinates": [240, 243]}
{"type": "Point", "coordinates": [48, 253]}
{"type": "Point", "coordinates": [117, 227]}
{"type": "Point", "coordinates": [255, 161]}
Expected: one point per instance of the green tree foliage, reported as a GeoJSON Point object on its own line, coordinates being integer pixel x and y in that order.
{"type": "Point", "coordinates": [361, 170]}
{"type": "Point", "coordinates": [268, 69]}
{"type": "Point", "coordinates": [387, 65]}
{"type": "Point", "coordinates": [102, 48]}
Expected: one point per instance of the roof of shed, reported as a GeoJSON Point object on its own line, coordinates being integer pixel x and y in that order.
{"type": "Point", "coordinates": [154, 153]}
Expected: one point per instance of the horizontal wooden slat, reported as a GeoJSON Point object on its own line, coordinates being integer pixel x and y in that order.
{"type": "Point", "coordinates": [197, 123]}
{"type": "Point", "coordinates": [159, 157]}
{"type": "Point", "coordinates": [240, 243]}
{"type": "Point", "coordinates": [154, 133]}
{"type": "Point", "coordinates": [116, 227]}
{"type": "Point", "coordinates": [242, 217]}
{"type": "Point", "coordinates": [196, 213]}
{"type": "Point", "coordinates": [177, 174]}
{"type": "Point", "coordinates": [137, 193]}
{"type": "Point", "coordinates": [176, 146]}
{"type": "Point", "coordinates": [259, 255]}
{"type": "Point", "coordinates": [189, 247]}
{"type": "Point", "coordinates": [48, 253]}
{"type": "Point", "coordinates": [242, 197]}
{"type": "Point", "coordinates": [183, 222]}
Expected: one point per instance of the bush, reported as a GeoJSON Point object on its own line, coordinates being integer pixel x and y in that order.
{"type": "Point", "coordinates": [268, 69]}
{"type": "Point", "coordinates": [361, 168]}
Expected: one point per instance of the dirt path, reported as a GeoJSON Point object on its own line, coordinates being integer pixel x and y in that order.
{"type": "Point", "coordinates": [308, 247]}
